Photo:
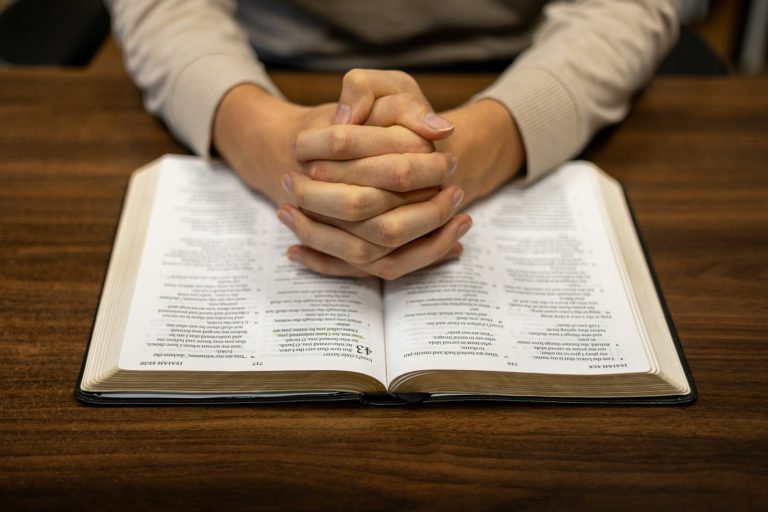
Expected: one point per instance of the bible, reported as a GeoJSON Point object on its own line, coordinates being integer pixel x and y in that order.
{"type": "Point", "coordinates": [552, 300]}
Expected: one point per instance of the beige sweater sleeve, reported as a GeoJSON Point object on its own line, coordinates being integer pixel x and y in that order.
{"type": "Point", "coordinates": [586, 61]}
{"type": "Point", "coordinates": [185, 55]}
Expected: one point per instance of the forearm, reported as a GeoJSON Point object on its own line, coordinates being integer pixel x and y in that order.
{"type": "Point", "coordinates": [587, 60]}
{"type": "Point", "coordinates": [185, 55]}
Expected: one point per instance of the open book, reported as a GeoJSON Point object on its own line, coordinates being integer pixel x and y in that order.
{"type": "Point", "coordinates": [552, 299]}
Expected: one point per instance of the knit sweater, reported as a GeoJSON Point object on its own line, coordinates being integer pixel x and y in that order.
{"type": "Point", "coordinates": [576, 64]}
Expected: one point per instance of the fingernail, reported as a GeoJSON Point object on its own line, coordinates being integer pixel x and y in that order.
{"type": "Point", "coordinates": [463, 229]}
{"type": "Point", "coordinates": [287, 183]}
{"type": "Point", "coordinates": [438, 123]}
{"type": "Point", "coordinates": [343, 114]}
{"type": "Point", "coordinates": [285, 217]}
{"type": "Point", "coordinates": [457, 197]}
{"type": "Point", "coordinates": [295, 256]}
{"type": "Point", "coordinates": [452, 165]}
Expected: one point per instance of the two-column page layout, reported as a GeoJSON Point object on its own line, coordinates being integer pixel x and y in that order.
{"type": "Point", "coordinates": [552, 297]}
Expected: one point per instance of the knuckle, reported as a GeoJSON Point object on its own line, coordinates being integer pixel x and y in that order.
{"type": "Point", "coordinates": [358, 252]}
{"type": "Point", "coordinates": [319, 171]}
{"type": "Point", "coordinates": [402, 173]}
{"type": "Point", "coordinates": [389, 233]}
{"type": "Point", "coordinates": [357, 206]}
{"type": "Point", "coordinates": [339, 141]}
{"type": "Point", "coordinates": [356, 78]}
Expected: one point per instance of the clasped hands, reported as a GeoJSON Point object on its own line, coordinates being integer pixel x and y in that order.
{"type": "Point", "coordinates": [366, 184]}
{"type": "Point", "coordinates": [371, 196]}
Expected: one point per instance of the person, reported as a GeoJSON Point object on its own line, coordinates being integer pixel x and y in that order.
{"type": "Point", "coordinates": [375, 183]}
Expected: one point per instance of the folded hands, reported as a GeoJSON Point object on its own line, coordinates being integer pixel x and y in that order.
{"type": "Point", "coordinates": [374, 184]}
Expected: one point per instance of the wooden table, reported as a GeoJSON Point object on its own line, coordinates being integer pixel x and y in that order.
{"type": "Point", "coordinates": [693, 156]}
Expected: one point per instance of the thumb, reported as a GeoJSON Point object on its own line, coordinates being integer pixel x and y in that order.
{"type": "Point", "coordinates": [361, 88]}
{"type": "Point", "coordinates": [358, 94]}
{"type": "Point", "coordinates": [412, 112]}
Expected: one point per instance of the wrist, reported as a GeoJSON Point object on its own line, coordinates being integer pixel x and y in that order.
{"type": "Point", "coordinates": [252, 133]}
{"type": "Point", "coordinates": [488, 146]}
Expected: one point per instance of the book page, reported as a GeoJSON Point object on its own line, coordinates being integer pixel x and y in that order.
{"type": "Point", "coordinates": [537, 289]}
{"type": "Point", "coordinates": [215, 291]}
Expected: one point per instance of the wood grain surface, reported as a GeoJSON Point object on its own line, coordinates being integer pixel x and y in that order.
{"type": "Point", "coordinates": [693, 156]}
